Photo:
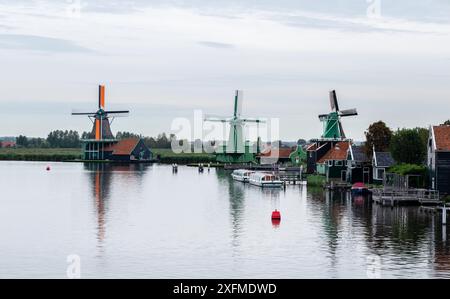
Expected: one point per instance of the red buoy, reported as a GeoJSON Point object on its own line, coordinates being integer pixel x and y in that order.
{"type": "Point", "coordinates": [276, 215]}
{"type": "Point", "coordinates": [48, 168]}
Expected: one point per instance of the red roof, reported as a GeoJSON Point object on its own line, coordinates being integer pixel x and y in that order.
{"type": "Point", "coordinates": [123, 147]}
{"type": "Point", "coordinates": [442, 137]}
{"type": "Point", "coordinates": [311, 147]}
{"type": "Point", "coordinates": [283, 153]}
{"type": "Point", "coordinates": [8, 143]}
{"type": "Point", "coordinates": [338, 152]}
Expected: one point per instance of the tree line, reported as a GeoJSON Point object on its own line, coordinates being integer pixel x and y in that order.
{"type": "Point", "coordinates": [72, 139]}
{"type": "Point", "coordinates": [407, 146]}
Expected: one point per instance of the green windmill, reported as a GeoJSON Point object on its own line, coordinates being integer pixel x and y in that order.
{"type": "Point", "coordinates": [332, 127]}
{"type": "Point", "coordinates": [236, 149]}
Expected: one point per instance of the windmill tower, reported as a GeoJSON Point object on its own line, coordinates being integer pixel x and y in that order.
{"type": "Point", "coordinates": [93, 148]}
{"type": "Point", "coordinates": [236, 150]}
{"type": "Point", "coordinates": [332, 128]}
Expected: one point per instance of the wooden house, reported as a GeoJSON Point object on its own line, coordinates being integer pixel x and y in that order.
{"type": "Point", "coordinates": [381, 161]}
{"type": "Point", "coordinates": [438, 159]}
{"type": "Point", "coordinates": [359, 166]}
{"type": "Point", "coordinates": [334, 163]}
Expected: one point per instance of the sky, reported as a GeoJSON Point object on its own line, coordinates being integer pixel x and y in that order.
{"type": "Point", "coordinates": [163, 60]}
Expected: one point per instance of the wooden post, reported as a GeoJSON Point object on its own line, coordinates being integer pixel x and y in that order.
{"type": "Point", "coordinates": [444, 215]}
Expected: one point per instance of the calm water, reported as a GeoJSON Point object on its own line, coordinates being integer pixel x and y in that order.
{"type": "Point", "coordinates": [144, 221]}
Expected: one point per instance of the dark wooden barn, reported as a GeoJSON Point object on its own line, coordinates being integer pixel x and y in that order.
{"type": "Point", "coordinates": [127, 150]}
{"type": "Point", "coordinates": [381, 162]}
{"type": "Point", "coordinates": [439, 158]}
{"type": "Point", "coordinates": [359, 166]}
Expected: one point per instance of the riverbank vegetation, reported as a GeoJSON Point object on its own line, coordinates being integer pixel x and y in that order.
{"type": "Point", "coordinates": [70, 154]}
{"type": "Point", "coordinates": [40, 154]}
{"type": "Point", "coordinates": [316, 180]}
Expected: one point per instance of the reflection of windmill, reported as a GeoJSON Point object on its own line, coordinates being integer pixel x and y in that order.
{"type": "Point", "coordinates": [332, 121]}
{"type": "Point", "coordinates": [236, 150]}
{"type": "Point", "coordinates": [101, 177]}
{"type": "Point", "coordinates": [102, 125]}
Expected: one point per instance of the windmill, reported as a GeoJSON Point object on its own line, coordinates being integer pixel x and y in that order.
{"type": "Point", "coordinates": [236, 150]}
{"type": "Point", "coordinates": [332, 121]}
{"type": "Point", "coordinates": [101, 118]}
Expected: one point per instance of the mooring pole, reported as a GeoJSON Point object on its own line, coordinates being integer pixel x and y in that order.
{"type": "Point", "coordinates": [444, 215]}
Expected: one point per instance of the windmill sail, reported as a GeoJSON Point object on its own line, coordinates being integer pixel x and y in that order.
{"type": "Point", "coordinates": [102, 127]}
{"type": "Point", "coordinates": [333, 101]}
{"type": "Point", "coordinates": [101, 97]}
{"type": "Point", "coordinates": [238, 98]}
{"type": "Point", "coordinates": [332, 121]}
{"type": "Point", "coordinates": [236, 138]}
{"type": "Point", "coordinates": [349, 112]}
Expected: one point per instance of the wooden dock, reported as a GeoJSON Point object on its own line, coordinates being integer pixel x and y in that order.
{"type": "Point", "coordinates": [291, 178]}
{"type": "Point", "coordinates": [337, 186]}
{"type": "Point", "coordinates": [406, 197]}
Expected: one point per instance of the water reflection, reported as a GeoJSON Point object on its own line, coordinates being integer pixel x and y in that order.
{"type": "Point", "coordinates": [204, 226]}
{"type": "Point", "coordinates": [101, 178]}
{"type": "Point", "coordinates": [236, 195]}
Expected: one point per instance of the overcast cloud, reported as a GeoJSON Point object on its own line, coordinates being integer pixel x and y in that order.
{"type": "Point", "coordinates": [163, 59]}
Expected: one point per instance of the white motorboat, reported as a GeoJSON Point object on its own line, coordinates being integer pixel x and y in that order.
{"type": "Point", "coordinates": [265, 179]}
{"type": "Point", "coordinates": [241, 175]}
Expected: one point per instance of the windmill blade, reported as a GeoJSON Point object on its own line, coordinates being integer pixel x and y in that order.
{"type": "Point", "coordinates": [349, 112]}
{"type": "Point", "coordinates": [214, 119]}
{"type": "Point", "coordinates": [238, 99]}
{"type": "Point", "coordinates": [333, 101]}
{"type": "Point", "coordinates": [84, 113]}
{"type": "Point", "coordinates": [117, 111]}
{"type": "Point", "coordinates": [341, 130]}
{"type": "Point", "coordinates": [101, 97]}
{"type": "Point", "coordinates": [323, 116]}
{"type": "Point", "coordinates": [254, 120]}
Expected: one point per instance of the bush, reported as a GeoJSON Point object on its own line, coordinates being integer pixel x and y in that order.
{"type": "Point", "coordinates": [405, 169]}
{"type": "Point", "coordinates": [315, 180]}
{"type": "Point", "coordinates": [446, 199]}
{"type": "Point", "coordinates": [409, 146]}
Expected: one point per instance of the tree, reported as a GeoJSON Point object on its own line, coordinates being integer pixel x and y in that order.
{"type": "Point", "coordinates": [126, 135]}
{"type": "Point", "coordinates": [63, 139]}
{"type": "Point", "coordinates": [378, 135]}
{"type": "Point", "coordinates": [301, 142]}
{"type": "Point", "coordinates": [162, 141]}
{"type": "Point", "coordinates": [408, 146]}
{"type": "Point", "coordinates": [87, 135]}
{"type": "Point", "coordinates": [447, 122]}
{"type": "Point", "coordinates": [22, 141]}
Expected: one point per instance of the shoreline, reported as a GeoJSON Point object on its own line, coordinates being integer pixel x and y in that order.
{"type": "Point", "coordinates": [73, 155]}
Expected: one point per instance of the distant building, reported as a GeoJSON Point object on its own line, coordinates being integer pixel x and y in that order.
{"type": "Point", "coordinates": [439, 158]}
{"type": "Point", "coordinates": [8, 144]}
{"type": "Point", "coordinates": [381, 161]}
{"type": "Point", "coordinates": [359, 166]}
{"type": "Point", "coordinates": [333, 163]}
{"type": "Point", "coordinates": [275, 155]}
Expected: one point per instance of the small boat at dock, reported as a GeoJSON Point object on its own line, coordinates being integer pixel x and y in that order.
{"type": "Point", "coordinates": [241, 175]}
{"type": "Point", "coordinates": [359, 189]}
{"type": "Point", "coordinates": [265, 179]}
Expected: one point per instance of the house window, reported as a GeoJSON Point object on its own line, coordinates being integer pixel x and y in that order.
{"type": "Point", "coordinates": [380, 173]}
{"type": "Point", "coordinates": [330, 163]}
{"type": "Point", "coordinates": [338, 163]}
